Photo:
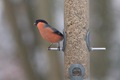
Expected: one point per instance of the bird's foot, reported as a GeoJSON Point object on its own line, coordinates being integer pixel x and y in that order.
{"type": "Point", "coordinates": [50, 46]}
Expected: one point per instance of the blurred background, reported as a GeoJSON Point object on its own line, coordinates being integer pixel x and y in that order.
{"type": "Point", "coordinates": [24, 54]}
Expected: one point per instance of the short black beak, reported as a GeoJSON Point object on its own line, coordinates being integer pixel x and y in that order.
{"type": "Point", "coordinates": [35, 24]}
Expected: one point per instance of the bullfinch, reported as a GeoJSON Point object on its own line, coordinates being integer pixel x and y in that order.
{"type": "Point", "coordinates": [49, 33]}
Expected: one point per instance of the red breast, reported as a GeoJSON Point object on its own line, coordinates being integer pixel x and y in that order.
{"type": "Point", "coordinates": [48, 34]}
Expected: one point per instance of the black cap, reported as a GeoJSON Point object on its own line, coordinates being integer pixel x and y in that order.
{"type": "Point", "coordinates": [40, 20]}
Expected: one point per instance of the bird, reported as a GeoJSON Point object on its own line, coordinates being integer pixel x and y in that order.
{"type": "Point", "coordinates": [49, 33]}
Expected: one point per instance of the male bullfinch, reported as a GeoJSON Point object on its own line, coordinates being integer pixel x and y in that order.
{"type": "Point", "coordinates": [49, 33]}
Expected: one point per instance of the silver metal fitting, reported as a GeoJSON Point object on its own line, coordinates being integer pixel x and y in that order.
{"type": "Point", "coordinates": [76, 72]}
{"type": "Point", "coordinates": [89, 46]}
{"type": "Point", "coordinates": [55, 49]}
{"type": "Point", "coordinates": [97, 49]}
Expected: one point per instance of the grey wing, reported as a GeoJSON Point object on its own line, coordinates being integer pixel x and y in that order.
{"type": "Point", "coordinates": [56, 31]}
